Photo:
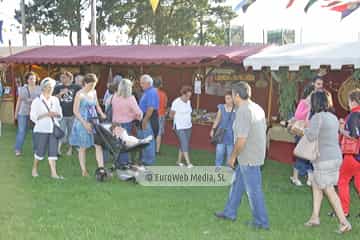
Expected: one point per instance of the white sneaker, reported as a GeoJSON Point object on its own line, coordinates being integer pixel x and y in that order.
{"type": "Point", "coordinates": [296, 182]}
{"type": "Point", "coordinates": [309, 183]}
{"type": "Point", "coordinates": [190, 166]}
{"type": "Point", "coordinates": [180, 164]}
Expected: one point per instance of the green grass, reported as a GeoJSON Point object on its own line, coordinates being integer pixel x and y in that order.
{"type": "Point", "coordinates": [81, 208]}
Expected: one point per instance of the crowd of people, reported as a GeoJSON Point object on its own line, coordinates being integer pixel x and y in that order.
{"type": "Point", "coordinates": [75, 107]}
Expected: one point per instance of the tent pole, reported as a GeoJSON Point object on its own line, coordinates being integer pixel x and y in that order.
{"type": "Point", "coordinates": [13, 86]}
{"type": "Point", "coordinates": [270, 98]}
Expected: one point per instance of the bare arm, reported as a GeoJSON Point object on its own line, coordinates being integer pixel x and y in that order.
{"type": "Point", "coordinates": [147, 117]}
{"type": "Point", "coordinates": [99, 109]}
{"type": "Point", "coordinates": [216, 123]}
{"type": "Point", "coordinates": [238, 147]}
{"type": "Point", "coordinates": [17, 107]}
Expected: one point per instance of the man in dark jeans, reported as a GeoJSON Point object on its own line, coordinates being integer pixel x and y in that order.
{"type": "Point", "coordinates": [66, 92]}
{"type": "Point", "coordinates": [249, 152]}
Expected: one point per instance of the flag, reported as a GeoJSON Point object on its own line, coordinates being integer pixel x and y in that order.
{"type": "Point", "coordinates": [154, 4]}
{"type": "Point", "coordinates": [1, 25]}
{"type": "Point", "coordinates": [347, 8]}
{"type": "Point", "coordinates": [351, 8]}
{"type": "Point", "coordinates": [309, 4]}
{"type": "Point", "coordinates": [332, 3]}
{"type": "Point", "coordinates": [244, 5]}
{"type": "Point", "coordinates": [291, 2]}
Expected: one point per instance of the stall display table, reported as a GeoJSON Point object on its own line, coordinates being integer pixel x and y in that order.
{"type": "Point", "coordinates": [281, 144]}
{"type": "Point", "coordinates": [6, 110]}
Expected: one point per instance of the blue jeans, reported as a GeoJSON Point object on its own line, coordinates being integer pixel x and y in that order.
{"type": "Point", "coordinates": [23, 125]}
{"type": "Point", "coordinates": [124, 158]}
{"type": "Point", "coordinates": [148, 153]}
{"type": "Point", "coordinates": [248, 179]}
{"type": "Point", "coordinates": [303, 166]}
{"type": "Point", "coordinates": [223, 150]}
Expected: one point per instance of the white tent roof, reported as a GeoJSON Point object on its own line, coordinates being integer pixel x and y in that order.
{"type": "Point", "coordinates": [313, 54]}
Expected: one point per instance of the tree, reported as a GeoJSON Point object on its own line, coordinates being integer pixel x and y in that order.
{"type": "Point", "coordinates": [56, 17]}
{"type": "Point", "coordinates": [179, 22]}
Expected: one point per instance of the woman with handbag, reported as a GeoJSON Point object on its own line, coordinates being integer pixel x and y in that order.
{"type": "Point", "coordinates": [323, 133]}
{"type": "Point", "coordinates": [45, 113]}
{"type": "Point", "coordinates": [86, 109]}
{"type": "Point", "coordinates": [350, 167]}
{"type": "Point", "coordinates": [222, 132]}
{"type": "Point", "coordinates": [181, 113]}
{"type": "Point", "coordinates": [302, 167]}
{"type": "Point", "coordinates": [26, 95]}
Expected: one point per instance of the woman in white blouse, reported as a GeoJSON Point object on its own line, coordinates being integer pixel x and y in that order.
{"type": "Point", "coordinates": [181, 113]}
{"type": "Point", "coordinates": [45, 112]}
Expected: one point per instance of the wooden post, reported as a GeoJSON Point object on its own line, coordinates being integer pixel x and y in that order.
{"type": "Point", "coordinates": [14, 87]}
{"type": "Point", "coordinates": [270, 98]}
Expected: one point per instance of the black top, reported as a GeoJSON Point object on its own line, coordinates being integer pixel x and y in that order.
{"type": "Point", "coordinates": [67, 99]}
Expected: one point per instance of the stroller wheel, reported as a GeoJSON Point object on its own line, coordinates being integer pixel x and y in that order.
{"type": "Point", "coordinates": [101, 174]}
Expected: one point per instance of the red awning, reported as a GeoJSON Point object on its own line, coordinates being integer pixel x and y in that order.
{"type": "Point", "coordinates": [132, 55]}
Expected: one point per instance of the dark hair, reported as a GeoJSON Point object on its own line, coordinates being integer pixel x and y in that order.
{"type": "Point", "coordinates": [354, 95]}
{"type": "Point", "coordinates": [243, 89]}
{"type": "Point", "coordinates": [228, 93]}
{"type": "Point", "coordinates": [317, 78]}
{"type": "Point", "coordinates": [29, 74]}
{"type": "Point", "coordinates": [113, 87]}
{"type": "Point", "coordinates": [185, 89]}
{"type": "Point", "coordinates": [68, 75]}
{"type": "Point", "coordinates": [308, 90]}
{"type": "Point", "coordinates": [157, 82]}
{"type": "Point", "coordinates": [90, 78]}
{"type": "Point", "coordinates": [319, 102]}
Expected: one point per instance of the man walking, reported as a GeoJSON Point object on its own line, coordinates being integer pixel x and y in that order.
{"type": "Point", "coordinates": [249, 152]}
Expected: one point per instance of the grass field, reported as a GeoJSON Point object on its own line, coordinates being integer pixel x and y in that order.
{"type": "Point", "coordinates": [81, 208]}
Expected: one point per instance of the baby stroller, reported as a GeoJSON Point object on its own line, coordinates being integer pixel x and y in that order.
{"type": "Point", "coordinates": [105, 138]}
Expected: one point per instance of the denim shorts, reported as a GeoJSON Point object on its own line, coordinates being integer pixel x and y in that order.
{"type": "Point", "coordinates": [184, 136]}
{"type": "Point", "coordinates": [45, 143]}
{"type": "Point", "coordinates": [161, 125]}
{"type": "Point", "coordinates": [66, 125]}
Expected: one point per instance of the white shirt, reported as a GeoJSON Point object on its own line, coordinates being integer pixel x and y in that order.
{"type": "Point", "coordinates": [44, 125]}
{"type": "Point", "coordinates": [182, 117]}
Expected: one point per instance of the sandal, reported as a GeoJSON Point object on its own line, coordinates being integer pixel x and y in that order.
{"type": "Point", "coordinates": [344, 228]}
{"type": "Point", "coordinates": [296, 182]}
{"type": "Point", "coordinates": [312, 223]}
{"type": "Point", "coordinates": [58, 177]}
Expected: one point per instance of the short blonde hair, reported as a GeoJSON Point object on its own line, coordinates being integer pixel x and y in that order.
{"type": "Point", "coordinates": [125, 88]}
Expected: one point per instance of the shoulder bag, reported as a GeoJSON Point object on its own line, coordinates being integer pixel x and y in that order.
{"type": "Point", "coordinates": [306, 149]}
{"type": "Point", "coordinates": [219, 133]}
{"type": "Point", "coordinates": [57, 131]}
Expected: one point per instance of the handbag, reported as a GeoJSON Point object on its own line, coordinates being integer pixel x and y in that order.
{"type": "Point", "coordinates": [220, 132]}
{"type": "Point", "coordinates": [31, 124]}
{"type": "Point", "coordinates": [350, 145]}
{"type": "Point", "coordinates": [306, 149]}
{"type": "Point", "coordinates": [57, 131]}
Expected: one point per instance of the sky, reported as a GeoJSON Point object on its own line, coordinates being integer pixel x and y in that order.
{"type": "Point", "coordinates": [318, 25]}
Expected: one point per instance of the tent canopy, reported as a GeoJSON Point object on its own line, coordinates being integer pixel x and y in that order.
{"type": "Point", "coordinates": [313, 55]}
{"type": "Point", "coordinates": [133, 55]}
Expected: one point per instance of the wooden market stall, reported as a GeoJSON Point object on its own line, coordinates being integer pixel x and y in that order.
{"type": "Point", "coordinates": [294, 65]}
{"type": "Point", "coordinates": [7, 98]}
{"type": "Point", "coordinates": [215, 68]}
